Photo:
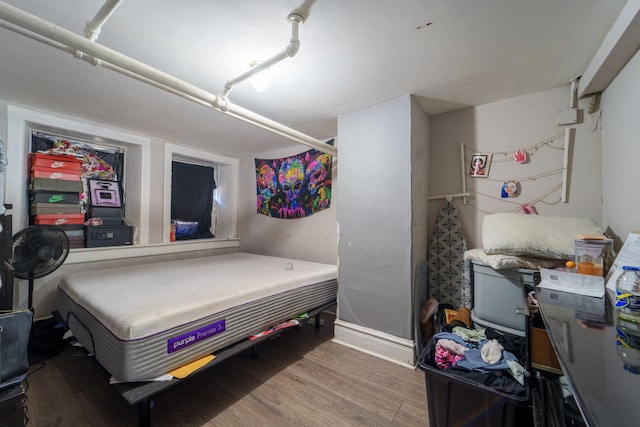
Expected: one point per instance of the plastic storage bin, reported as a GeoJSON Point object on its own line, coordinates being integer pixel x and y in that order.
{"type": "Point", "coordinates": [453, 400]}
{"type": "Point", "coordinates": [499, 297]}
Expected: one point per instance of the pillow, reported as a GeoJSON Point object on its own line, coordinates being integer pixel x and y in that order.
{"type": "Point", "coordinates": [534, 235]}
{"type": "Point", "coordinates": [185, 228]}
{"type": "Point", "coordinates": [501, 261]}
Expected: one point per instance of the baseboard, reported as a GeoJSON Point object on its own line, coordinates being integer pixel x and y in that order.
{"type": "Point", "coordinates": [379, 344]}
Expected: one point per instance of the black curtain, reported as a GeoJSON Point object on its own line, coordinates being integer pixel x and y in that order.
{"type": "Point", "coordinates": [192, 199]}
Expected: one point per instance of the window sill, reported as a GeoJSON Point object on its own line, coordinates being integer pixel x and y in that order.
{"type": "Point", "coordinates": [82, 255]}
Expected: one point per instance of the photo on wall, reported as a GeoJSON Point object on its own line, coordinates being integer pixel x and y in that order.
{"type": "Point", "coordinates": [510, 188]}
{"type": "Point", "coordinates": [479, 165]}
{"type": "Point", "coordinates": [294, 187]}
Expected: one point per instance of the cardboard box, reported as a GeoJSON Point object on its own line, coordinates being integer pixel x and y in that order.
{"type": "Point", "coordinates": [63, 185]}
{"type": "Point", "coordinates": [543, 356]}
{"type": "Point", "coordinates": [55, 197]}
{"type": "Point", "coordinates": [53, 208]}
{"type": "Point", "coordinates": [77, 242]}
{"type": "Point", "coordinates": [111, 220]}
{"type": "Point", "coordinates": [60, 219]}
{"type": "Point", "coordinates": [98, 212]}
{"type": "Point", "coordinates": [42, 172]}
{"type": "Point", "coordinates": [593, 254]}
{"type": "Point", "coordinates": [59, 162]}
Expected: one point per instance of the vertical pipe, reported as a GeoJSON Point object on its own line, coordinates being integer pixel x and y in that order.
{"type": "Point", "coordinates": [463, 168]}
{"type": "Point", "coordinates": [93, 27]}
{"type": "Point", "coordinates": [565, 163]}
{"type": "Point", "coordinates": [3, 169]}
{"type": "Point", "coordinates": [574, 92]}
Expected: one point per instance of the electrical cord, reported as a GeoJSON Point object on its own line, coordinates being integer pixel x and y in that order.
{"type": "Point", "coordinates": [26, 389]}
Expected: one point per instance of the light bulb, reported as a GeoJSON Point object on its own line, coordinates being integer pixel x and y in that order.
{"type": "Point", "coordinates": [260, 81]}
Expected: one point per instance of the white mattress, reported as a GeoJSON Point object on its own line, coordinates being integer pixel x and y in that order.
{"type": "Point", "coordinates": [145, 320]}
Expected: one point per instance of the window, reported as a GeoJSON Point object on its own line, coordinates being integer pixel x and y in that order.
{"type": "Point", "coordinates": [192, 213]}
{"type": "Point", "coordinates": [20, 125]}
{"type": "Point", "coordinates": [146, 186]}
{"type": "Point", "coordinates": [223, 174]}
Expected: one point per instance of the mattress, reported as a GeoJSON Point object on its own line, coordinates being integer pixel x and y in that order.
{"type": "Point", "coordinates": [143, 321]}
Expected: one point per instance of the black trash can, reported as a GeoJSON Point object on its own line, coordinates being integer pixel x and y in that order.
{"type": "Point", "coordinates": [456, 398]}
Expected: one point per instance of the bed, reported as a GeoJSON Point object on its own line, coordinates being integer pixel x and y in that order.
{"type": "Point", "coordinates": [144, 321]}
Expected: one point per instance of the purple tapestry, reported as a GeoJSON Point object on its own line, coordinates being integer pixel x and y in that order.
{"type": "Point", "coordinates": [294, 187]}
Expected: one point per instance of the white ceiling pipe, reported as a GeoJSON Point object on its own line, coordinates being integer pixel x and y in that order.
{"type": "Point", "coordinates": [149, 82]}
{"type": "Point", "coordinates": [290, 51]}
{"type": "Point", "coordinates": [36, 37]}
{"type": "Point", "coordinates": [95, 61]}
{"type": "Point", "coordinates": [276, 127]}
{"type": "Point", "coordinates": [72, 42]}
{"type": "Point", "coordinates": [93, 27]}
{"type": "Point", "coordinates": [65, 37]}
{"type": "Point", "coordinates": [243, 115]}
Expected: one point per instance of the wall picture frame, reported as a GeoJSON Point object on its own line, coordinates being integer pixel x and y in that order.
{"type": "Point", "coordinates": [104, 194]}
{"type": "Point", "coordinates": [479, 165]}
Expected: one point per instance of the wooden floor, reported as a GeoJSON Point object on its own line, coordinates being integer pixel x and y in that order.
{"type": "Point", "coordinates": [301, 378]}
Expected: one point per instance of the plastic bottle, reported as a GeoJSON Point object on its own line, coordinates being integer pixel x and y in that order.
{"type": "Point", "coordinates": [628, 344]}
{"type": "Point", "coordinates": [628, 294]}
{"type": "Point", "coordinates": [172, 232]}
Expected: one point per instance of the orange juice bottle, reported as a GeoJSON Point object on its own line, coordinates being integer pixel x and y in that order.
{"type": "Point", "coordinates": [589, 265]}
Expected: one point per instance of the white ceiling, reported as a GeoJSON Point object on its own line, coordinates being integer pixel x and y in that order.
{"type": "Point", "coordinates": [353, 54]}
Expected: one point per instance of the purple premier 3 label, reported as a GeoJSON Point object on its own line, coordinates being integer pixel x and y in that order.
{"type": "Point", "coordinates": [197, 335]}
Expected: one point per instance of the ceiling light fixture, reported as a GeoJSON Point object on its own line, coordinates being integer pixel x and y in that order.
{"type": "Point", "coordinates": [260, 81]}
{"type": "Point", "coordinates": [260, 67]}
{"type": "Point", "coordinates": [60, 38]}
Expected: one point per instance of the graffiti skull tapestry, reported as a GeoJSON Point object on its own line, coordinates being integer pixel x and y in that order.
{"type": "Point", "coordinates": [294, 187]}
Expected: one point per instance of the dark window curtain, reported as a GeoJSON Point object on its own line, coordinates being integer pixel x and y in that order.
{"type": "Point", "coordinates": [191, 200]}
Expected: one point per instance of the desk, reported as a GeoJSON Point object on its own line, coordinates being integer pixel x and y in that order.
{"type": "Point", "coordinates": [582, 332]}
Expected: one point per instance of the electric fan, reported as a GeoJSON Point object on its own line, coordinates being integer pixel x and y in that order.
{"type": "Point", "coordinates": [38, 250]}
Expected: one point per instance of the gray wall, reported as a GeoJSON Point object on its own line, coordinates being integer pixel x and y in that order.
{"type": "Point", "coordinates": [419, 208]}
{"type": "Point", "coordinates": [419, 182]}
{"type": "Point", "coordinates": [621, 152]}
{"type": "Point", "coordinates": [504, 127]}
{"type": "Point", "coordinates": [374, 218]}
{"type": "Point", "coordinates": [313, 238]}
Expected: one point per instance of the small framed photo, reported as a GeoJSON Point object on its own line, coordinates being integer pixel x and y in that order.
{"type": "Point", "coordinates": [479, 166]}
{"type": "Point", "coordinates": [510, 188]}
{"type": "Point", "coordinates": [104, 193]}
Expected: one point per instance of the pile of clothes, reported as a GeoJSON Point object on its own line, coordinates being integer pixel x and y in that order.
{"type": "Point", "coordinates": [483, 355]}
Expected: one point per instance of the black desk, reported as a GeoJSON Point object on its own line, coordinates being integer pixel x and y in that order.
{"type": "Point", "coordinates": [582, 332]}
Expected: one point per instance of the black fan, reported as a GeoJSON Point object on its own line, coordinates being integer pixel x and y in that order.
{"type": "Point", "coordinates": [38, 250]}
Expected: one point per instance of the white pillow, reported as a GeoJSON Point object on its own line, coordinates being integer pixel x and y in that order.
{"type": "Point", "coordinates": [502, 261]}
{"type": "Point", "coordinates": [534, 235]}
